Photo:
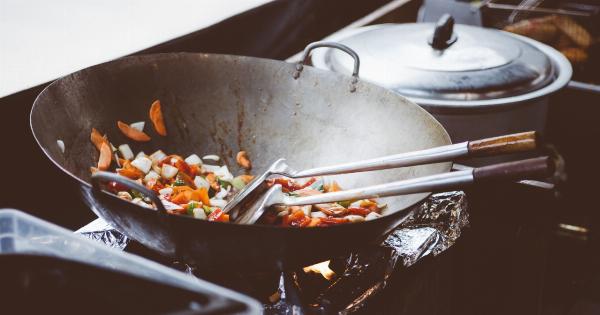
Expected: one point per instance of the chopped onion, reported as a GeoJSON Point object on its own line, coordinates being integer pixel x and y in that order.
{"type": "Point", "coordinates": [201, 182]}
{"type": "Point", "coordinates": [355, 204]}
{"type": "Point", "coordinates": [211, 157]}
{"type": "Point", "coordinates": [211, 168]}
{"type": "Point", "coordinates": [141, 154]}
{"type": "Point", "coordinates": [166, 191]}
{"type": "Point", "coordinates": [199, 213]}
{"type": "Point", "coordinates": [126, 152]}
{"type": "Point", "coordinates": [169, 205]}
{"type": "Point", "coordinates": [157, 156]}
{"type": "Point", "coordinates": [142, 163]}
{"type": "Point", "coordinates": [372, 216]}
{"type": "Point", "coordinates": [61, 145]}
{"type": "Point", "coordinates": [193, 160]}
{"type": "Point", "coordinates": [150, 176]}
{"type": "Point", "coordinates": [222, 193]}
{"type": "Point", "coordinates": [223, 173]}
{"type": "Point", "coordinates": [307, 209]}
{"type": "Point", "coordinates": [354, 218]}
{"type": "Point", "coordinates": [318, 214]}
{"type": "Point", "coordinates": [219, 203]}
{"type": "Point", "coordinates": [138, 125]}
{"type": "Point", "coordinates": [112, 147]}
{"type": "Point", "coordinates": [168, 171]}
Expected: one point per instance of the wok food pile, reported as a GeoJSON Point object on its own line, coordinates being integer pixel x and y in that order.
{"type": "Point", "coordinates": [560, 32]}
{"type": "Point", "coordinates": [195, 188]}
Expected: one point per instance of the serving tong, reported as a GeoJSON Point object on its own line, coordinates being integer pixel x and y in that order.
{"type": "Point", "coordinates": [250, 196]}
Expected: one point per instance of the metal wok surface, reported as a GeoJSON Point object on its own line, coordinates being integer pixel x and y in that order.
{"type": "Point", "coordinates": [220, 104]}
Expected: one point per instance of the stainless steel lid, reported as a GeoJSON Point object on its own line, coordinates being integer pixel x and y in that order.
{"type": "Point", "coordinates": [461, 64]}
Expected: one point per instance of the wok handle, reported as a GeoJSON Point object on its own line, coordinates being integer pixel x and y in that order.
{"type": "Point", "coordinates": [100, 176]}
{"type": "Point", "coordinates": [523, 169]}
{"type": "Point", "coordinates": [339, 46]}
{"type": "Point", "coordinates": [518, 142]}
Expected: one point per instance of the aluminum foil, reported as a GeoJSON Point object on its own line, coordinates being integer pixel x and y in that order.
{"type": "Point", "coordinates": [99, 230]}
{"type": "Point", "coordinates": [433, 227]}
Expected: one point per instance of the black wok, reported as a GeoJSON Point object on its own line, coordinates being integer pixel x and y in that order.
{"type": "Point", "coordinates": [220, 104]}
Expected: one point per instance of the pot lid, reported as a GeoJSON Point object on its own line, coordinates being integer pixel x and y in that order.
{"type": "Point", "coordinates": [458, 63]}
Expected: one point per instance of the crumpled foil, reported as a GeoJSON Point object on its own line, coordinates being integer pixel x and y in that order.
{"type": "Point", "coordinates": [99, 230]}
{"type": "Point", "coordinates": [431, 228]}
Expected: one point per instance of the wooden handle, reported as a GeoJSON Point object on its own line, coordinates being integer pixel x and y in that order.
{"type": "Point", "coordinates": [525, 169]}
{"type": "Point", "coordinates": [518, 142]}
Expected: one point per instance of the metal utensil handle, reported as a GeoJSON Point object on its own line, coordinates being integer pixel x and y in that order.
{"type": "Point", "coordinates": [524, 169]}
{"type": "Point", "coordinates": [339, 46]}
{"type": "Point", "coordinates": [512, 143]}
{"type": "Point", "coordinates": [112, 177]}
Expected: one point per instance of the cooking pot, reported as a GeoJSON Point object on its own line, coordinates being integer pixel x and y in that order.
{"type": "Point", "coordinates": [477, 82]}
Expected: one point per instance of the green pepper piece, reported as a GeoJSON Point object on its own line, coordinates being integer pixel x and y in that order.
{"type": "Point", "coordinates": [190, 208]}
{"type": "Point", "coordinates": [207, 210]}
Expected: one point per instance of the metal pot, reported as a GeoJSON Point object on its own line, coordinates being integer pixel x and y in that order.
{"type": "Point", "coordinates": [477, 82]}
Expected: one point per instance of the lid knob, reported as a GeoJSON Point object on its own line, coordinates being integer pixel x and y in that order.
{"type": "Point", "coordinates": [443, 36]}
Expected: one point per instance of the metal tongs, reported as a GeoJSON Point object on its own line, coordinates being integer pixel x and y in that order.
{"type": "Point", "coordinates": [256, 196]}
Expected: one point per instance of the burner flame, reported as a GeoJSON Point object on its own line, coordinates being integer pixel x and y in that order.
{"type": "Point", "coordinates": [321, 268]}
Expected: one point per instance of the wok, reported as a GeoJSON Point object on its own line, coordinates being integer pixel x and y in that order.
{"type": "Point", "coordinates": [221, 104]}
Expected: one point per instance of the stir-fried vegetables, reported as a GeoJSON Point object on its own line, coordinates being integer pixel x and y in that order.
{"type": "Point", "coordinates": [320, 214]}
{"type": "Point", "coordinates": [195, 188]}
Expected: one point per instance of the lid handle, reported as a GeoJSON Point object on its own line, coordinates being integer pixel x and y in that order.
{"type": "Point", "coordinates": [443, 36]}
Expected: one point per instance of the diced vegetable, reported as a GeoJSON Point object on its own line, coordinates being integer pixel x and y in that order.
{"type": "Point", "coordinates": [157, 156]}
{"type": "Point", "coordinates": [138, 125]}
{"type": "Point", "coordinates": [211, 157]}
{"type": "Point", "coordinates": [142, 163]}
{"type": "Point", "coordinates": [97, 138]}
{"type": "Point", "coordinates": [166, 191]}
{"type": "Point", "coordinates": [354, 218]}
{"type": "Point", "coordinates": [218, 203]}
{"type": "Point", "coordinates": [193, 160]}
{"type": "Point", "coordinates": [201, 182]}
{"type": "Point", "coordinates": [61, 145]}
{"type": "Point", "coordinates": [141, 153]}
{"type": "Point", "coordinates": [199, 213]}
{"type": "Point", "coordinates": [105, 157]}
{"type": "Point", "coordinates": [211, 168]}
{"type": "Point", "coordinates": [132, 133]}
{"type": "Point", "coordinates": [152, 175]}
{"type": "Point", "coordinates": [126, 152]}
{"type": "Point", "coordinates": [157, 118]}
{"type": "Point", "coordinates": [243, 160]}
{"type": "Point", "coordinates": [318, 214]}
{"type": "Point", "coordinates": [223, 192]}
{"type": "Point", "coordinates": [223, 173]}
{"type": "Point", "coordinates": [372, 216]}
{"type": "Point", "coordinates": [168, 171]}
{"type": "Point", "coordinates": [238, 183]}
{"type": "Point", "coordinates": [124, 195]}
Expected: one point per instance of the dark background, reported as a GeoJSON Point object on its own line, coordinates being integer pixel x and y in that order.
{"type": "Point", "coordinates": [512, 260]}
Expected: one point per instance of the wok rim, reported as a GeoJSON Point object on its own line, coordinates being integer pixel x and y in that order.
{"type": "Point", "coordinates": [391, 216]}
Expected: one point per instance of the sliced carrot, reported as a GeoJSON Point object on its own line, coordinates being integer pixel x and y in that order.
{"type": "Point", "coordinates": [105, 157]}
{"type": "Point", "coordinates": [180, 198]}
{"type": "Point", "coordinates": [204, 196]}
{"type": "Point", "coordinates": [132, 133]}
{"type": "Point", "coordinates": [97, 138]}
{"type": "Point", "coordinates": [157, 118]}
{"type": "Point", "coordinates": [243, 160]}
{"type": "Point", "coordinates": [131, 173]}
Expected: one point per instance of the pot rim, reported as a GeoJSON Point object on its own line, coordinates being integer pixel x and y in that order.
{"type": "Point", "coordinates": [560, 62]}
